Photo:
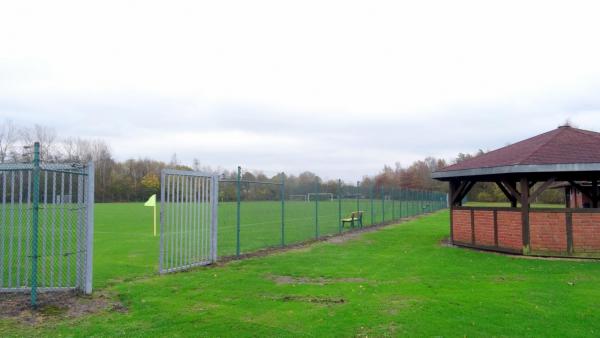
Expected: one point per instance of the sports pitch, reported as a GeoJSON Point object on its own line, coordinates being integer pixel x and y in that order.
{"type": "Point", "coordinates": [398, 280]}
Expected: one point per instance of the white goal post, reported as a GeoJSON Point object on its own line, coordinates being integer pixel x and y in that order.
{"type": "Point", "coordinates": [322, 196]}
{"type": "Point", "coordinates": [303, 198]}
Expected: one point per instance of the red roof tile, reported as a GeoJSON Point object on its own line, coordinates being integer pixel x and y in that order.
{"type": "Point", "coordinates": [564, 145]}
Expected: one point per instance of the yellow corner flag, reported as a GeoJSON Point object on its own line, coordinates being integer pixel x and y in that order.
{"type": "Point", "coordinates": [151, 202]}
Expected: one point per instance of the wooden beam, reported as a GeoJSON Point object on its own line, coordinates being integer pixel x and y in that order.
{"type": "Point", "coordinates": [531, 184]}
{"type": "Point", "coordinates": [466, 190]}
{"type": "Point", "coordinates": [506, 193]}
{"type": "Point", "coordinates": [541, 189]}
{"type": "Point", "coordinates": [594, 193]}
{"type": "Point", "coordinates": [457, 191]}
{"type": "Point", "coordinates": [525, 214]}
{"type": "Point", "coordinates": [462, 191]}
{"type": "Point", "coordinates": [512, 190]}
{"type": "Point", "coordinates": [451, 206]}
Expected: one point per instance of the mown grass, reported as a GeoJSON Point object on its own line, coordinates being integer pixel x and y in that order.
{"type": "Point", "coordinates": [395, 281]}
{"type": "Point", "coordinates": [126, 248]}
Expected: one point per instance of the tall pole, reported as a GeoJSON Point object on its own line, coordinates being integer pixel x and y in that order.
{"type": "Point", "coordinates": [317, 208]}
{"type": "Point", "coordinates": [372, 209]}
{"type": "Point", "coordinates": [382, 204]}
{"type": "Point", "coordinates": [393, 206]}
{"type": "Point", "coordinates": [238, 196]}
{"type": "Point", "coordinates": [357, 196]}
{"type": "Point", "coordinates": [36, 208]}
{"type": "Point", "coordinates": [282, 209]}
{"type": "Point", "coordinates": [340, 205]}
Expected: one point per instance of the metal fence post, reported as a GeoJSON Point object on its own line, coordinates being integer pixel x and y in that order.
{"type": "Point", "coordinates": [340, 205]}
{"type": "Point", "coordinates": [215, 217]}
{"type": "Point", "coordinates": [237, 223]}
{"type": "Point", "coordinates": [317, 189]}
{"type": "Point", "coordinates": [36, 209]}
{"type": "Point", "coordinates": [400, 207]}
{"type": "Point", "coordinates": [393, 206]}
{"type": "Point", "coordinates": [161, 259]}
{"type": "Point", "coordinates": [282, 209]}
{"type": "Point", "coordinates": [90, 228]}
{"type": "Point", "coordinates": [372, 208]}
{"type": "Point", "coordinates": [382, 204]}
{"type": "Point", "coordinates": [357, 196]}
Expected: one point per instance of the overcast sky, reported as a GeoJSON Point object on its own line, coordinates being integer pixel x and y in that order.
{"type": "Point", "coordinates": [336, 87]}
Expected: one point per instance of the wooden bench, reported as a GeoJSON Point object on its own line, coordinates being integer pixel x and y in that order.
{"type": "Point", "coordinates": [355, 216]}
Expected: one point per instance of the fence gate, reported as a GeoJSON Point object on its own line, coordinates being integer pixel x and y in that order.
{"type": "Point", "coordinates": [46, 226]}
{"type": "Point", "coordinates": [188, 219]}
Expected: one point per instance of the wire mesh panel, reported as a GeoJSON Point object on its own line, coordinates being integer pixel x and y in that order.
{"type": "Point", "coordinates": [188, 219]}
{"type": "Point", "coordinates": [46, 227]}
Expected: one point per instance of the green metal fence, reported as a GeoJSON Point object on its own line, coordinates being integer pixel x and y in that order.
{"type": "Point", "coordinates": [255, 215]}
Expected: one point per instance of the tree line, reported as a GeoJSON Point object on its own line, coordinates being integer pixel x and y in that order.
{"type": "Point", "coordinates": [137, 179]}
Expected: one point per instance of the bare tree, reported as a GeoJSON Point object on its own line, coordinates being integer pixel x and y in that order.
{"type": "Point", "coordinates": [45, 135]}
{"type": "Point", "coordinates": [8, 138]}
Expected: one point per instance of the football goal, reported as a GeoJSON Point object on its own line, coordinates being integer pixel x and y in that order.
{"type": "Point", "coordinates": [321, 196]}
{"type": "Point", "coordinates": [303, 198]}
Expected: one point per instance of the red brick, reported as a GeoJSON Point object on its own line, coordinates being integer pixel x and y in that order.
{"type": "Point", "coordinates": [461, 226]}
{"type": "Point", "coordinates": [484, 227]}
{"type": "Point", "coordinates": [510, 230]}
{"type": "Point", "coordinates": [586, 232]}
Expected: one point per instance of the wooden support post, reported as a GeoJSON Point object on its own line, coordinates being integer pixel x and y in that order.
{"type": "Point", "coordinates": [513, 186]}
{"type": "Point", "coordinates": [525, 214]}
{"type": "Point", "coordinates": [569, 221]}
{"type": "Point", "coordinates": [584, 190]}
{"type": "Point", "coordinates": [453, 185]}
{"type": "Point", "coordinates": [594, 193]}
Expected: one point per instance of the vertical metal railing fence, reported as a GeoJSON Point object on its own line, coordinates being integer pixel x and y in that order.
{"type": "Point", "coordinates": [188, 219]}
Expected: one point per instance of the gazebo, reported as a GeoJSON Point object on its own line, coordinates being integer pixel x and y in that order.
{"type": "Point", "coordinates": [566, 156]}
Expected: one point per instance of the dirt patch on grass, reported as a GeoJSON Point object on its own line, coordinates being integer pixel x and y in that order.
{"type": "Point", "coordinates": [396, 304]}
{"type": "Point", "coordinates": [313, 299]}
{"type": "Point", "coordinates": [63, 304]}
{"type": "Point", "coordinates": [508, 279]}
{"type": "Point", "coordinates": [281, 280]}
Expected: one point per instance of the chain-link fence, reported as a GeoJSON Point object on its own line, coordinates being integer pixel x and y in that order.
{"type": "Point", "coordinates": [259, 214]}
{"type": "Point", "coordinates": [46, 226]}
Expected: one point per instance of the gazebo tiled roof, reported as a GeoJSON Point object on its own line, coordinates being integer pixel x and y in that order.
{"type": "Point", "coordinates": [562, 149]}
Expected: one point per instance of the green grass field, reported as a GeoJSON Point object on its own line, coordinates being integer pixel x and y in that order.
{"type": "Point", "coordinates": [124, 234]}
{"type": "Point", "coordinates": [135, 252]}
{"type": "Point", "coordinates": [396, 281]}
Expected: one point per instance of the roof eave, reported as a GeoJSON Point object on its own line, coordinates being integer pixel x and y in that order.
{"type": "Point", "coordinates": [517, 169]}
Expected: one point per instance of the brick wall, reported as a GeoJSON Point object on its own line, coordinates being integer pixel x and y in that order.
{"type": "Point", "coordinates": [586, 232]}
{"type": "Point", "coordinates": [510, 230]}
{"type": "Point", "coordinates": [547, 232]}
{"type": "Point", "coordinates": [461, 226]}
{"type": "Point", "coordinates": [484, 227]}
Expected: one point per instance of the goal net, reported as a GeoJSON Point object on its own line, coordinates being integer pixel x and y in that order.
{"type": "Point", "coordinates": [321, 196]}
{"type": "Point", "coordinates": [303, 198]}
